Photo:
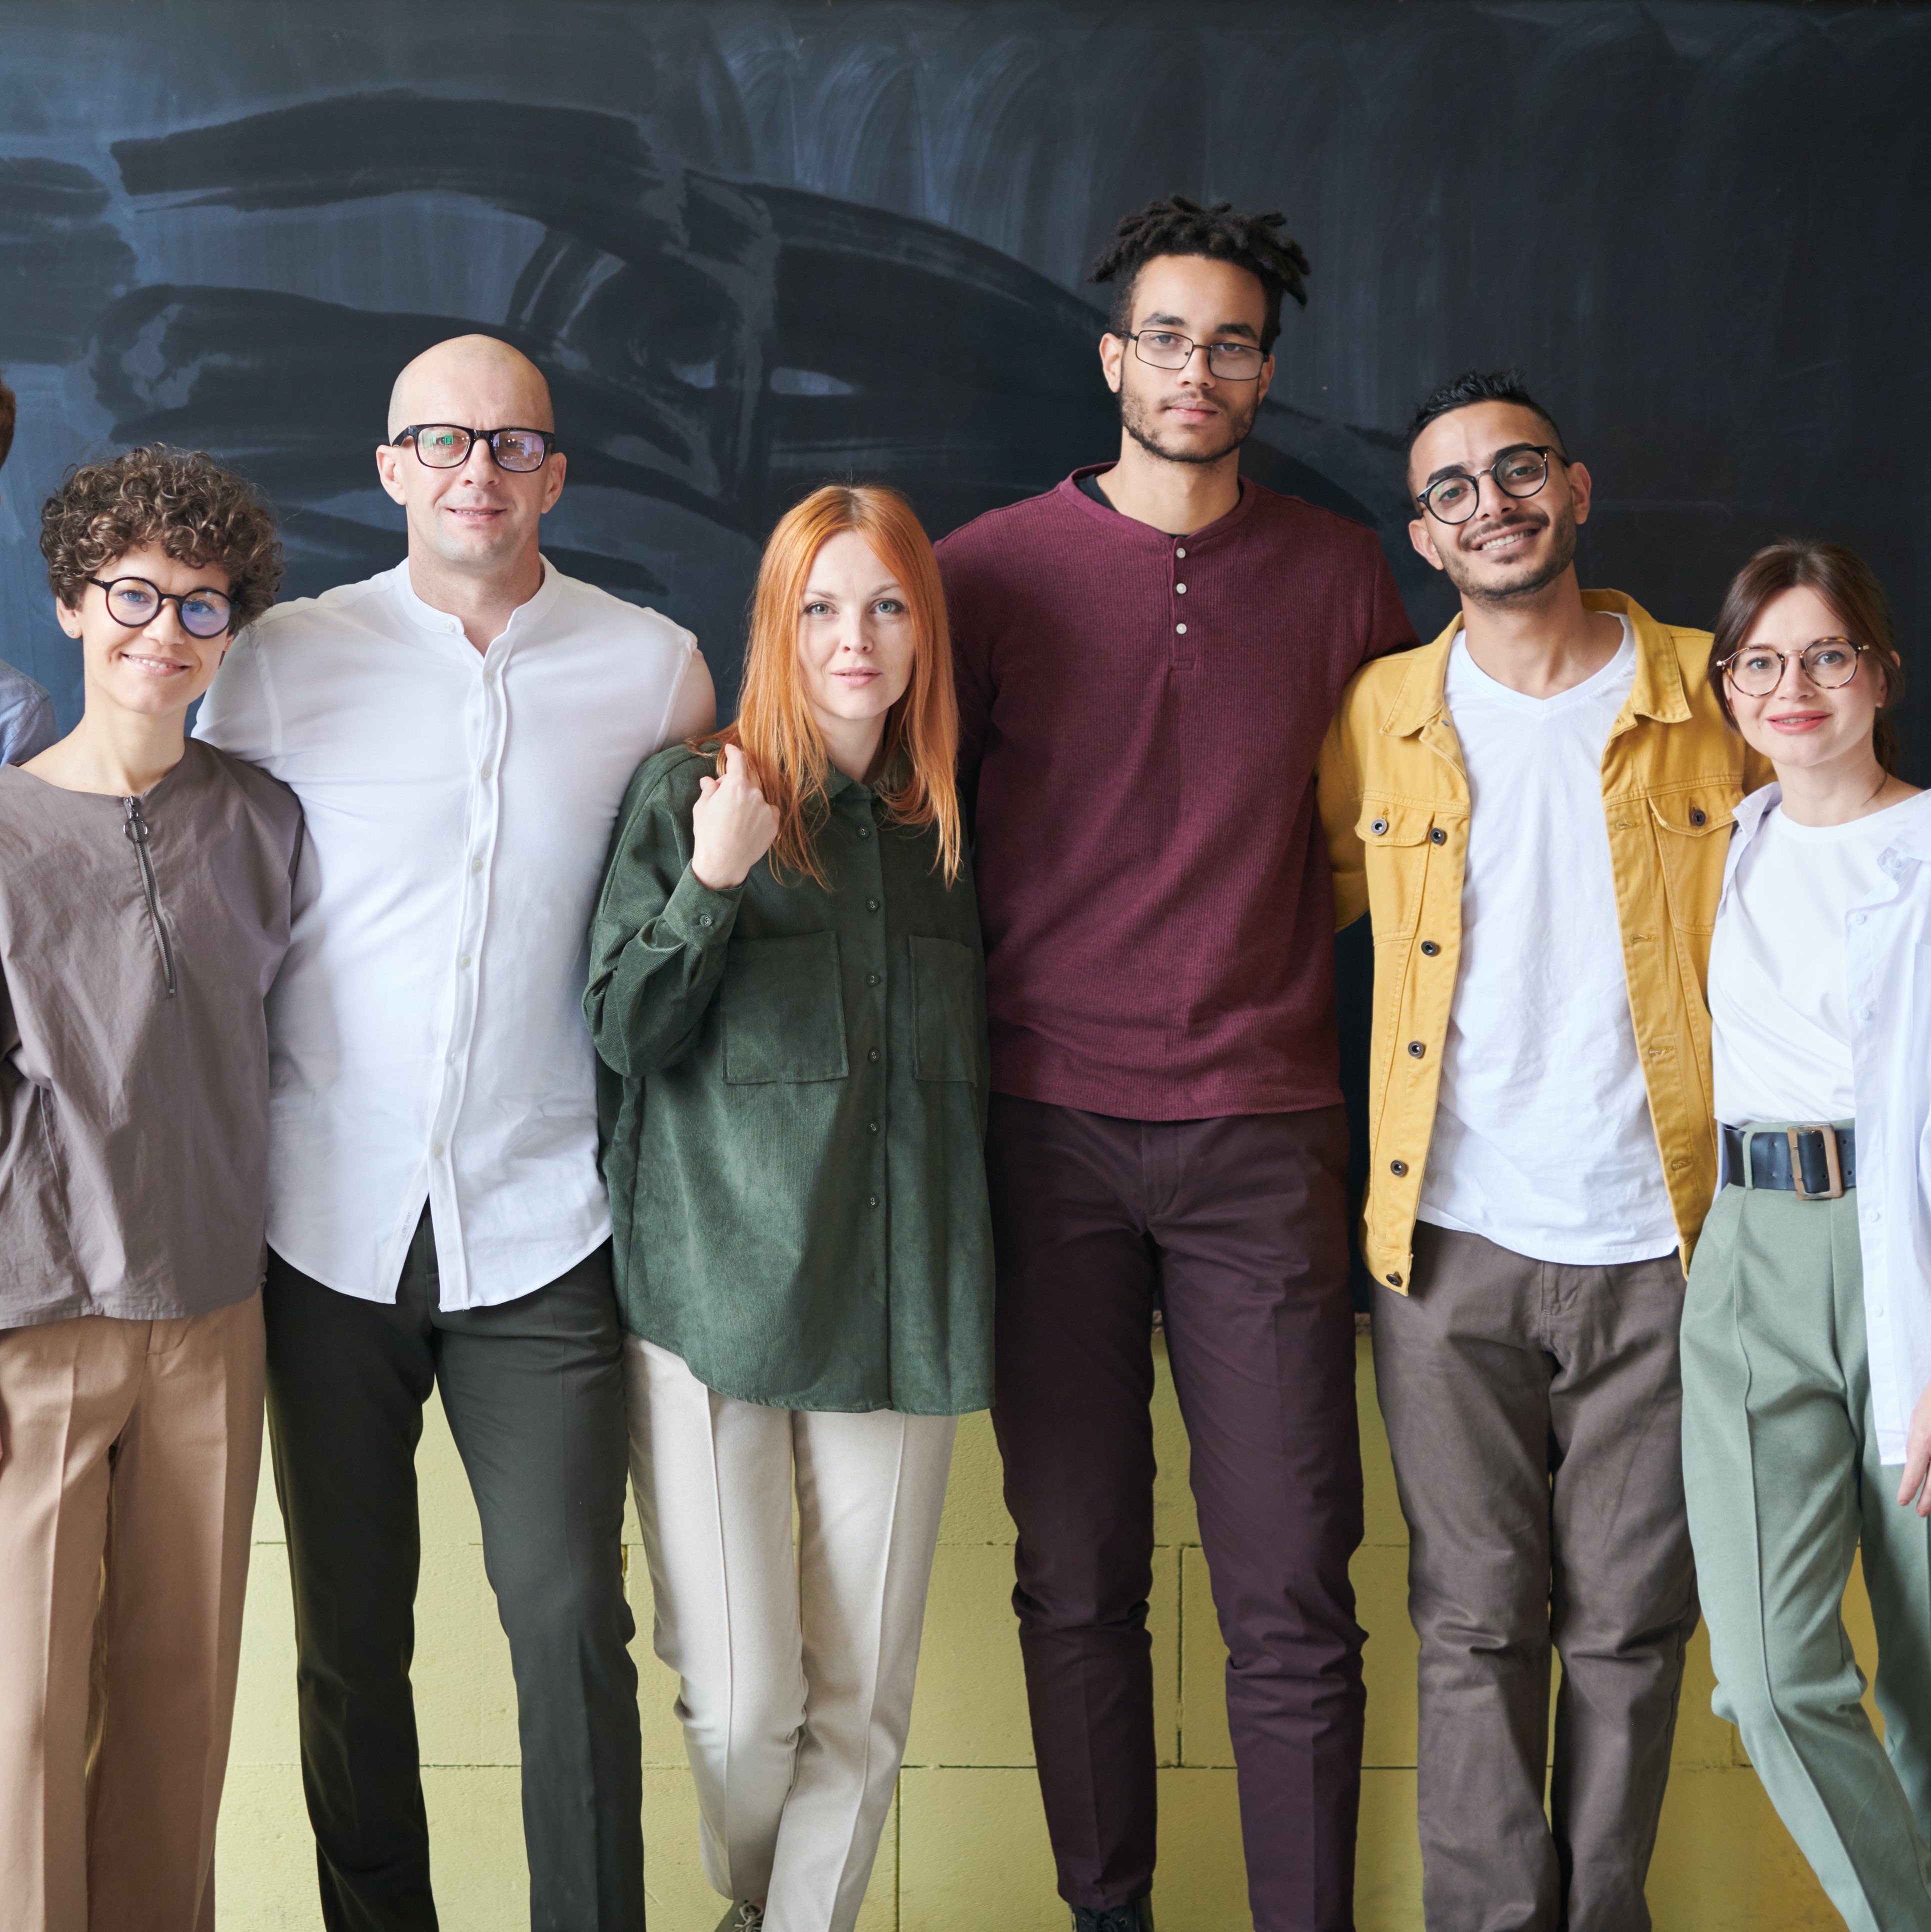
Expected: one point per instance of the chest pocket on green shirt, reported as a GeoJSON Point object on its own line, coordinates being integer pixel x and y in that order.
{"type": "Point", "coordinates": [943, 1009]}
{"type": "Point", "coordinates": [784, 1010]}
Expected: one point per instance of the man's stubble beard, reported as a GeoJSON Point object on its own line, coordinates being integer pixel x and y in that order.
{"type": "Point", "coordinates": [1561, 556]}
{"type": "Point", "coordinates": [1134, 419]}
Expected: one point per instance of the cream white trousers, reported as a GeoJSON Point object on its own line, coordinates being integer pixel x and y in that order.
{"type": "Point", "coordinates": [795, 1656]}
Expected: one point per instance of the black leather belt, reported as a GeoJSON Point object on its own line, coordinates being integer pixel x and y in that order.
{"type": "Point", "coordinates": [1818, 1163]}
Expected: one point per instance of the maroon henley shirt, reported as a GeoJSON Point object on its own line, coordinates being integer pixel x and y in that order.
{"type": "Point", "coordinates": [1139, 719]}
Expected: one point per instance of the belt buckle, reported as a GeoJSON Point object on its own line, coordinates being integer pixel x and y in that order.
{"type": "Point", "coordinates": [1832, 1165]}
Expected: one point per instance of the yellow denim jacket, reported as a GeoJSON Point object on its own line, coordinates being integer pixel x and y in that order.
{"type": "Point", "coordinates": [1394, 801]}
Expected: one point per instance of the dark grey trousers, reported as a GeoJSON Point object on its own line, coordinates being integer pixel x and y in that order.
{"type": "Point", "coordinates": [1535, 1411]}
{"type": "Point", "coordinates": [533, 1389]}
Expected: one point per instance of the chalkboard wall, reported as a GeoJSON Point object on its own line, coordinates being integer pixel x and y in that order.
{"type": "Point", "coordinates": [754, 245]}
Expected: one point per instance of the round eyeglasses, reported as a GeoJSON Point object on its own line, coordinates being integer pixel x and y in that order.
{"type": "Point", "coordinates": [1520, 471]}
{"type": "Point", "coordinates": [1757, 670]}
{"type": "Point", "coordinates": [135, 602]}
{"type": "Point", "coordinates": [446, 446]}
{"type": "Point", "coordinates": [1231, 362]}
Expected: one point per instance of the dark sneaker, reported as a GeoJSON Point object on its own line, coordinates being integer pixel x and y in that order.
{"type": "Point", "coordinates": [1137, 1917]}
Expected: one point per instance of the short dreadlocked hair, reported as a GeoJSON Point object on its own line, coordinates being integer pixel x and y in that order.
{"type": "Point", "coordinates": [181, 501]}
{"type": "Point", "coordinates": [9, 415]}
{"type": "Point", "coordinates": [1481, 385]}
{"type": "Point", "coordinates": [1175, 225]}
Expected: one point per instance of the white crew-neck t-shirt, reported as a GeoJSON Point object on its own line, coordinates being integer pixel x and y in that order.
{"type": "Point", "coordinates": [1779, 1012]}
{"type": "Point", "coordinates": [1543, 1140]}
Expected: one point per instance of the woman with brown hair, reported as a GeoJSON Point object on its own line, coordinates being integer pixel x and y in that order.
{"type": "Point", "coordinates": [1806, 1327]}
{"type": "Point", "coordinates": [145, 883]}
{"type": "Point", "coordinates": [786, 973]}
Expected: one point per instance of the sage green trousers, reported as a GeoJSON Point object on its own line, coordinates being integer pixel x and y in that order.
{"type": "Point", "coordinates": [1781, 1471]}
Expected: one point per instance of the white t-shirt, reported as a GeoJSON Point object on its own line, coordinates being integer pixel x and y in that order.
{"type": "Point", "coordinates": [1543, 1140]}
{"type": "Point", "coordinates": [1780, 1017]}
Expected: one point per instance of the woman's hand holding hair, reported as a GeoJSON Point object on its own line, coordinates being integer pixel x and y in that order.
{"type": "Point", "coordinates": [1918, 1458]}
{"type": "Point", "coordinates": [731, 826]}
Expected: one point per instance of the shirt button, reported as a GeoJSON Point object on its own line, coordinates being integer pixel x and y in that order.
{"type": "Point", "coordinates": [1180, 590]}
{"type": "Point", "coordinates": [484, 773]}
{"type": "Point", "coordinates": [871, 978]}
{"type": "Point", "coordinates": [1437, 837]}
{"type": "Point", "coordinates": [1397, 1167]}
{"type": "Point", "coordinates": [873, 1125]}
{"type": "Point", "coordinates": [873, 1055]}
{"type": "Point", "coordinates": [871, 1200]}
{"type": "Point", "coordinates": [1857, 919]}
{"type": "Point", "coordinates": [436, 1152]}
{"type": "Point", "coordinates": [1697, 816]}
{"type": "Point", "coordinates": [1179, 552]}
{"type": "Point", "coordinates": [1378, 826]}
{"type": "Point", "coordinates": [475, 864]}
{"type": "Point", "coordinates": [1394, 1281]}
{"type": "Point", "coordinates": [1416, 1049]}
{"type": "Point", "coordinates": [489, 677]}
{"type": "Point", "coordinates": [1179, 630]}
{"type": "Point", "coordinates": [865, 832]}
{"type": "Point", "coordinates": [1429, 949]}
{"type": "Point", "coordinates": [872, 905]}
{"type": "Point", "coordinates": [705, 918]}
{"type": "Point", "coordinates": [464, 962]}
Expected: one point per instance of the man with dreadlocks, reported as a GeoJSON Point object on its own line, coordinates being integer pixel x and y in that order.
{"type": "Point", "coordinates": [1148, 656]}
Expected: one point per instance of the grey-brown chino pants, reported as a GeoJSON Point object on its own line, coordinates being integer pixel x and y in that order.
{"type": "Point", "coordinates": [1534, 1411]}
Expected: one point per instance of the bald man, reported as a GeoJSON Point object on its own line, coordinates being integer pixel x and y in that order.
{"type": "Point", "coordinates": [460, 730]}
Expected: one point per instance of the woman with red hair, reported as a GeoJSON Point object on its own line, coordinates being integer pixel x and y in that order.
{"type": "Point", "coordinates": [786, 976]}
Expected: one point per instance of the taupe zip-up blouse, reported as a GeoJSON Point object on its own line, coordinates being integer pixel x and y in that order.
{"type": "Point", "coordinates": [139, 937]}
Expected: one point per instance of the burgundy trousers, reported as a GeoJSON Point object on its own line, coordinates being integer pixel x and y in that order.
{"type": "Point", "coordinates": [1237, 1228]}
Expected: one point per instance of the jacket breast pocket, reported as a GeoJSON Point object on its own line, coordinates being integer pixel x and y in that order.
{"type": "Point", "coordinates": [1692, 837]}
{"type": "Point", "coordinates": [1396, 836]}
{"type": "Point", "coordinates": [945, 1009]}
{"type": "Point", "coordinates": [783, 1010]}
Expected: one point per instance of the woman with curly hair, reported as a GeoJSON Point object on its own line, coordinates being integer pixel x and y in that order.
{"type": "Point", "coordinates": [145, 888]}
{"type": "Point", "coordinates": [786, 973]}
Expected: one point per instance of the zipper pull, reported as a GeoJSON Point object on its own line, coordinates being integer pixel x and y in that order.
{"type": "Point", "coordinates": [136, 826]}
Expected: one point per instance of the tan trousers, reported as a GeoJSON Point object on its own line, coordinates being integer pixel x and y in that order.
{"type": "Point", "coordinates": [130, 1454]}
{"type": "Point", "coordinates": [795, 1661]}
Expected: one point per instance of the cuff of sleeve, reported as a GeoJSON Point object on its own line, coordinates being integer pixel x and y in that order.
{"type": "Point", "coordinates": [700, 916]}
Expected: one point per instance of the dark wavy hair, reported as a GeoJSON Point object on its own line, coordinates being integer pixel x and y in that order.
{"type": "Point", "coordinates": [180, 500]}
{"type": "Point", "coordinates": [1844, 582]}
{"type": "Point", "coordinates": [1175, 225]}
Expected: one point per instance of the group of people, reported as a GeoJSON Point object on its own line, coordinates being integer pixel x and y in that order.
{"type": "Point", "coordinates": [728, 1111]}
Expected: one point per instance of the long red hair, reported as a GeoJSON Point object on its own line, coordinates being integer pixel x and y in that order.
{"type": "Point", "coordinates": [775, 724]}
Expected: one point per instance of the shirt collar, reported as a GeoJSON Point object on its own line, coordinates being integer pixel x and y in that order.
{"type": "Point", "coordinates": [426, 617]}
{"type": "Point", "coordinates": [1657, 691]}
{"type": "Point", "coordinates": [1132, 530]}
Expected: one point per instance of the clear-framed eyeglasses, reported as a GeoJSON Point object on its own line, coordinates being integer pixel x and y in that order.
{"type": "Point", "coordinates": [1520, 471]}
{"type": "Point", "coordinates": [1231, 362]}
{"type": "Point", "coordinates": [446, 446]}
{"type": "Point", "coordinates": [133, 600]}
{"type": "Point", "coordinates": [1757, 670]}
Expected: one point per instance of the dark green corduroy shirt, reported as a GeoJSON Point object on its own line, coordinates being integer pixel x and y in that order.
{"type": "Point", "coordinates": [795, 1164]}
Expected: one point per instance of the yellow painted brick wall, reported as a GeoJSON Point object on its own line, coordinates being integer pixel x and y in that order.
{"type": "Point", "coordinates": [966, 1846]}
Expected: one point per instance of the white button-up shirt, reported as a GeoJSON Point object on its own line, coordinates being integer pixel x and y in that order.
{"type": "Point", "coordinates": [1887, 985]}
{"type": "Point", "coordinates": [427, 1033]}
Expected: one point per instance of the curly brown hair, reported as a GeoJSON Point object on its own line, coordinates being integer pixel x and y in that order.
{"type": "Point", "coordinates": [182, 500]}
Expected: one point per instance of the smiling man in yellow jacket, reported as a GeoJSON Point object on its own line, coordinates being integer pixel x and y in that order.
{"type": "Point", "coordinates": [1534, 811]}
